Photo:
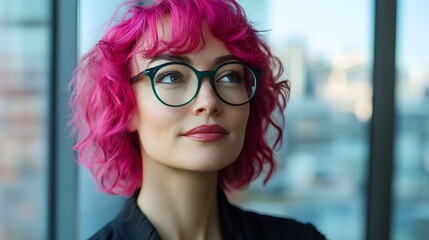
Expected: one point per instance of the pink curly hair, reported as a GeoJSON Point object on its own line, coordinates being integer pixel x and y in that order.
{"type": "Point", "coordinates": [102, 102]}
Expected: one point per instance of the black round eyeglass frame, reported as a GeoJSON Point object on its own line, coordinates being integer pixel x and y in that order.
{"type": "Point", "coordinates": [151, 73]}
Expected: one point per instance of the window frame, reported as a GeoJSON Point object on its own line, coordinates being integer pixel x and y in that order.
{"type": "Point", "coordinates": [62, 200]}
{"type": "Point", "coordinates": [382, 131]}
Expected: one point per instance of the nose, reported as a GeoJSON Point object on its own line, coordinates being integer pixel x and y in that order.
{"type": "Point", "coordinates": [206, 101]}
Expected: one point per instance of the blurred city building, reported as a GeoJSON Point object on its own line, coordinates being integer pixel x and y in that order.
{"type": "Point", "coordinates": [24, 82]}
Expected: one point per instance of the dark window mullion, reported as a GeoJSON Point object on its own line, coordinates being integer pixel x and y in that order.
{"type": "Point", "coordinates": [63, 170]}
{"type": "Point", "coordinates": [383, 122]}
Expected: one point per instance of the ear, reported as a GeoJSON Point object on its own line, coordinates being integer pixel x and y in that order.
{"type": "Point", "coordinates": [132, 126]}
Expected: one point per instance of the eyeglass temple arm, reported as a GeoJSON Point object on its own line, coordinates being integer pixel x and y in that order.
{"type": "Point", "coordinates": [137, 77]}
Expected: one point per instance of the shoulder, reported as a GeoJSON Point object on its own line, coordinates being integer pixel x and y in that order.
{"type": "Point", "coordinates": [105, 233]}
{"type": "Point", "coordinates": [130, 223]}
{"type": "Point", "coordinates": [271, 227]}
{"type": "Point", "coordinates": [282, 227]}
{"type": "Point", "coordinates": [241, 224]}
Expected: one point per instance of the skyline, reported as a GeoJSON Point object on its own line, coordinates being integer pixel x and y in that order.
{"type": "Point", "coordinates": [346, 26]}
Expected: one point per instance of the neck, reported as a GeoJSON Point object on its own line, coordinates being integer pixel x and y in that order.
{"type": "Point", "coordinates": [180, 204]}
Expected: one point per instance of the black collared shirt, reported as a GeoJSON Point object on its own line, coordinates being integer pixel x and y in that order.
{"type": "Point", "coordinates": [236, 224]}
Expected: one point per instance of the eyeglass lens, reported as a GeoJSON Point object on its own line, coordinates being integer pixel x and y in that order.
{"type": "Point", "coordinates": [177, 84]}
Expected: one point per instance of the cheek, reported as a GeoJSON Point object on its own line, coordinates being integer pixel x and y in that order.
{"type": "Point", "coordinates": [152, 120]}
{"type": "Point", "coordinates": [158, 129]}
{"type": "Point", "coordinates": [243, 118]}
{"type": "Point", "coordinates": [150, 112]}
{"type": "Point", "coordinates": [155, 123]}
{"type": "Point", "coordinates": [152, 132]}
{"type": "Point", "coordinates": [239, 119]}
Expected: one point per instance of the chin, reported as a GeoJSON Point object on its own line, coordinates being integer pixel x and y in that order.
{"type": "Point", "coordinates": [206, 165]}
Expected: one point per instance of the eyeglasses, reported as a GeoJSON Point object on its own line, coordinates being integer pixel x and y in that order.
{"type": "Point", "coordinates": [176, 84]}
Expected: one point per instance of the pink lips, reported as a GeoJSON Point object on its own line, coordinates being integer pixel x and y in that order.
{"type": "Point", "coordinates": [206, 133]}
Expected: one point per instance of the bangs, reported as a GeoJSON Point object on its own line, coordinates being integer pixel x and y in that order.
{"type": "Point", "coordinates": [175, 29]}
{"type": "Point", "coordinates": [177, 26]}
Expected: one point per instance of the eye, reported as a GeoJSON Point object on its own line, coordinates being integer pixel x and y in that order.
{"type": "Point", "coordinates": [232, 77]}
{"type": "Point", "coordinates": [170, 77]}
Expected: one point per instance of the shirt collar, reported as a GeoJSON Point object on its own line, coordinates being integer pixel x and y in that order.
{"type": "Point", "coordinates": [132, 223]}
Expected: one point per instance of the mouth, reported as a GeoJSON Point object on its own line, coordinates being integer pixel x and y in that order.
{"type": "Point", "coordinates": [206, 133]}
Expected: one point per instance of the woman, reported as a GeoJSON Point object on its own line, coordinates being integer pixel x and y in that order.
{"type": "Point", "coordinates": [171, 108]}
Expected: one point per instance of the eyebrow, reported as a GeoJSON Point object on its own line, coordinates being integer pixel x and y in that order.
{"type": "Point", "coordinates": [170, 57]}
{"type": "Point", "coordinates": [187, 60]}
{"type": "Point", "coordinates": [225, 58]}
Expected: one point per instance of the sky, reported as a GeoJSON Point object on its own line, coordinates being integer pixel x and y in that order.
{"type": "Point", "coordinates": [413, 33]}
{"type": "Point", "coordinates": [329, 25]}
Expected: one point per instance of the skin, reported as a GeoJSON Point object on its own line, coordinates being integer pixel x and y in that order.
{"type": "Point", "coordinates": [180, 174]}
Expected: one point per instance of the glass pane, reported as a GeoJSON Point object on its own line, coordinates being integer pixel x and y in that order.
{"type": "Point", "coordinates": [411, 178]}
{"type": "Point", "coordinates": [24, 80]}
{"type": "Point", "coordinates": [326, 48]}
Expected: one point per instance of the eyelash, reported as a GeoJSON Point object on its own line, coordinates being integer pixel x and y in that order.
{"type": "Point", "coordinates": [161, 75]}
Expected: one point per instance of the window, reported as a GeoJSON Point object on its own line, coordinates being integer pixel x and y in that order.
{"type": "Point", "coordinates": [323, 168]}
{"type": "Point", "coordinates": [24, 113]}
{"type": "Point", "coordinates": [327, 54]}
{"type": "Point", "coordinates": [411, 175]}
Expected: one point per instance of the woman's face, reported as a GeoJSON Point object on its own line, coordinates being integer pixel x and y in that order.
{"type": "Point", "coordinates": [205, 135]}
